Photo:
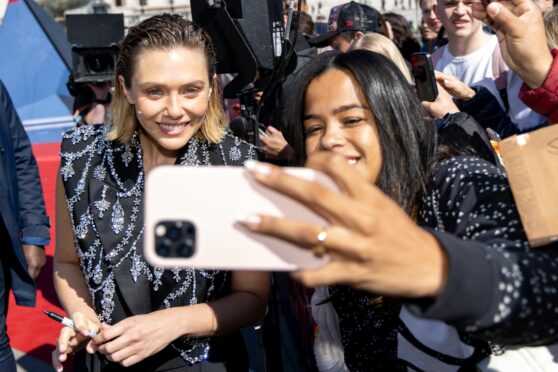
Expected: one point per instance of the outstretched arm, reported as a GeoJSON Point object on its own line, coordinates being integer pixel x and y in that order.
{"type": "Point", "coordinates": [520, 29]}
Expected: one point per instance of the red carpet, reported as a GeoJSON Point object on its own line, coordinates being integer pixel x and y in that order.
{"type": "Point", "coordinates": [28, 328]}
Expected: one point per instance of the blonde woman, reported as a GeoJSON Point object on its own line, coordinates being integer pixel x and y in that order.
{"type": "Point", "coordinates": [380, 44]}
{"type": "Point", "coordinates": [128, 314]}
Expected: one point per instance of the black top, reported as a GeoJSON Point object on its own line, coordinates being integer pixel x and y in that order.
{"type": "Point", "coordinates": [495, 278]}
{"type": "Point", "coordinates": [510, 296]}
{"type": "Point", "coordinates": [104, 183]}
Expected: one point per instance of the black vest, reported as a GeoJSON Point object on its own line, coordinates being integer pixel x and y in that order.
{"type": "Point", "coordinates": [104, 184]}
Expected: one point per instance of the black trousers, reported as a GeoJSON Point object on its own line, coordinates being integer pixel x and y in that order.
{"type": "Point", "coordinates": [7, 360]}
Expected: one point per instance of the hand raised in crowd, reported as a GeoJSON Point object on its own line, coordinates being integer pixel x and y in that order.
{"type": "Point", "coordinates": [455, 87]}
{"type": "Point", "coordinates": [96, 115]}
{"type": "Point", "coordinates": [373, 244]}
{"type": "Point", "coordinates": [274, 145]}
{"type": "Point", "coordinates": [72, 340]}
{"type": "Point", "coordinates": [135, 338]}
{"type": "Point", "coordinates": [442, 105]}
{"type": "Point", "coordinates": [520, 30]}
{"type": "Point", "coordinates": [36, 259]}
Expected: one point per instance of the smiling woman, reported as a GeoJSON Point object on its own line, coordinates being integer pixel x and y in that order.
{"type": "Point", "coordinates": [428, 258]}
{"type": "Point", "coordinates": [170, 101]}
{"type": "Point", "coordinates": [341, 121]}
{"type": "Point", "coordinates": [166, 110]}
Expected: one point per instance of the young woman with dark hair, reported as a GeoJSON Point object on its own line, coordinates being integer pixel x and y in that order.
{"type": "Point", "coordinates": [418, 230]}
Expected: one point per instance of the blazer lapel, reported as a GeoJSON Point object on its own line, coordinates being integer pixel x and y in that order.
{"type": "Point", "coordinates": [118, 218]}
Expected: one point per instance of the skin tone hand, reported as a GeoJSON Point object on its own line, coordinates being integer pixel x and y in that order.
{"type": "Point", "coordinates": [138, 337]}
{"type": "Point", "coordinates": [520, 30]}
{"type": "Point", "coordinates": [72, 340]}
{"type": "Point", "coordinates": [455, 87]}
{"type": "Point", "coordinates": [274, 144]}
{"type": "Point", "coordinates": [442, 105]}
{"type": "Point", "coordinates": [373, 245]}
{"type": "Point", "coordinates": [97, 114]}
{"type": "Point", "coordinates": [35, 257]}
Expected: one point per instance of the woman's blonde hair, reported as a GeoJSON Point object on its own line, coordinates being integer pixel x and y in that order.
{"type": "Point", "coordinates": [164, 31]}
{"type": "Point", "coordinates": [551, 28]}
{"type": "Point", "coordinates": [380, 44]}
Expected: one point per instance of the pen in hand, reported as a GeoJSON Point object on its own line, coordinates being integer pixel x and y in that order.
{"type": "Point", "coordinates": [68, 322]}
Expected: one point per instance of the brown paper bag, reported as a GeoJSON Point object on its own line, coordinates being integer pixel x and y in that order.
{"type": "Point", "coordinates": [531, 162]}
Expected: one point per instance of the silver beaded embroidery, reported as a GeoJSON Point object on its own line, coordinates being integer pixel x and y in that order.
{"type": "Point", "coordinates": [99, 172]}
{"type": "Point", "coordinates": [82, 228]}
{"type": "Point", "coordinates": [102, 205]}
{"type": "Point", "coordinates": [235, 154]}
{"type": "Point", "coordinates": [67, 171]}
{"type": "Point", "coordinates": [117, 218]}
{"type": "Point", "coordinates": [102, 285]}
{"type": "Point", "coordinates": [127, 156]}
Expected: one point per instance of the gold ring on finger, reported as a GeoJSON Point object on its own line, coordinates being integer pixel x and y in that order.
{"type": "Point", "coordinates": [319, 249]}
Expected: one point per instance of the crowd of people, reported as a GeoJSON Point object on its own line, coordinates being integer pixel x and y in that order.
{"type": "Point", "coordinates": [429, 269]}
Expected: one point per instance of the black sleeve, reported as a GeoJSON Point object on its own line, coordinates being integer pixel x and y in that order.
{"type": "Point", "coordinates": [33, 219]}
{"type": "Point", "coordinates": [498, 287]}
{"type": "Point", "coordinates": [461, 131]}
{"type": "Point", "coordinates": [484, 107]}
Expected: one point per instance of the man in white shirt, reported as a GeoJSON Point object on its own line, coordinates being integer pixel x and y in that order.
{"type": "Point", "coordinates": [473, 56]}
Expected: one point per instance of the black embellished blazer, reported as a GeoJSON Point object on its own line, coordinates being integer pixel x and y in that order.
{"type": "Point", "coordinates": [104, 185]}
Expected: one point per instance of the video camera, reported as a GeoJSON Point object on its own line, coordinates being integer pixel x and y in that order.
{"type": "Point", "coordinates": [94, 39]}
{"type": "Point", "coordinates": [248, 38]}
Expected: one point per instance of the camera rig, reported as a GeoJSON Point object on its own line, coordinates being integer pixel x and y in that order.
{"type": "Point", "coordinates": [248, 37]}
{"type": "Point", "coordinates": [94, 39]}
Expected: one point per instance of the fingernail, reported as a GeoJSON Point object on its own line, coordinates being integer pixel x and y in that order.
{"type": "Point", "coordinates": [493, 9]}
{"type": "Point", "coordinates": [249, 219]}
{"type": "Point", "coordinates": [258, 168]}
{"type": "Point", "coordinates": [91, 333]}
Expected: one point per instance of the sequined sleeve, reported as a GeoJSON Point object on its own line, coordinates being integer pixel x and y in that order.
{"type": "Point", "coordinates": [498, 287]}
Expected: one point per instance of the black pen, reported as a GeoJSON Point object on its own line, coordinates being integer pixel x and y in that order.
{"type": "Point", "coordinates": [67, 322]}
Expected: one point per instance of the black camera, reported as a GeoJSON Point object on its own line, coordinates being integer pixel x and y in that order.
{"type": "Point", "coordinates": [175, 239]}
{"type": "Point", "coordinates": [94, 39]}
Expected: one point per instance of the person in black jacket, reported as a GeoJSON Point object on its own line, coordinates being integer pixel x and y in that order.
{"type": "Point", "coordinates": [478, 102]}
{"type": "Point", "coordinates": [24, 225]}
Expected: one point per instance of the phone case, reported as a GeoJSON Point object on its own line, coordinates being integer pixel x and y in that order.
{"type": "Point", "coordinates": [425, 80]}
{"type": "Point", "coordinates": [212, 199]}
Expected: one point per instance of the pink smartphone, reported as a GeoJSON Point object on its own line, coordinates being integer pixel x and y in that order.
{"type": "Point", "coordinates": [191, 214]}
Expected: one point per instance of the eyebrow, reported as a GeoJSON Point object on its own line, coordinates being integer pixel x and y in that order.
{"type": "Point", "coordinates": [339, 110]}
{"type": "Point", "coordinates": [195, 82]}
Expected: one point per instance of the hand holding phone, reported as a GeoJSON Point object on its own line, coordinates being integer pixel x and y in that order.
{"type": "Point", "coordinates": [425, 80]}
{"type": "Point", "coordinates": [191, 216]}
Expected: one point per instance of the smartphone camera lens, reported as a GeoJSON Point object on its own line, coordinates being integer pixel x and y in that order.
{"type": "Point", "coordinates": [173, 233]}
{"type": "Point", "coordinates": [185, 250]}
{"type": "Point", "coordinates": [163, 250]}
{"type": "Point", "coordinates": [175, 239]}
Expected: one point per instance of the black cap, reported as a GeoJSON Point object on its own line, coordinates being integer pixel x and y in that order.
{"type": "Point", "coordinates": [350, 16]}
